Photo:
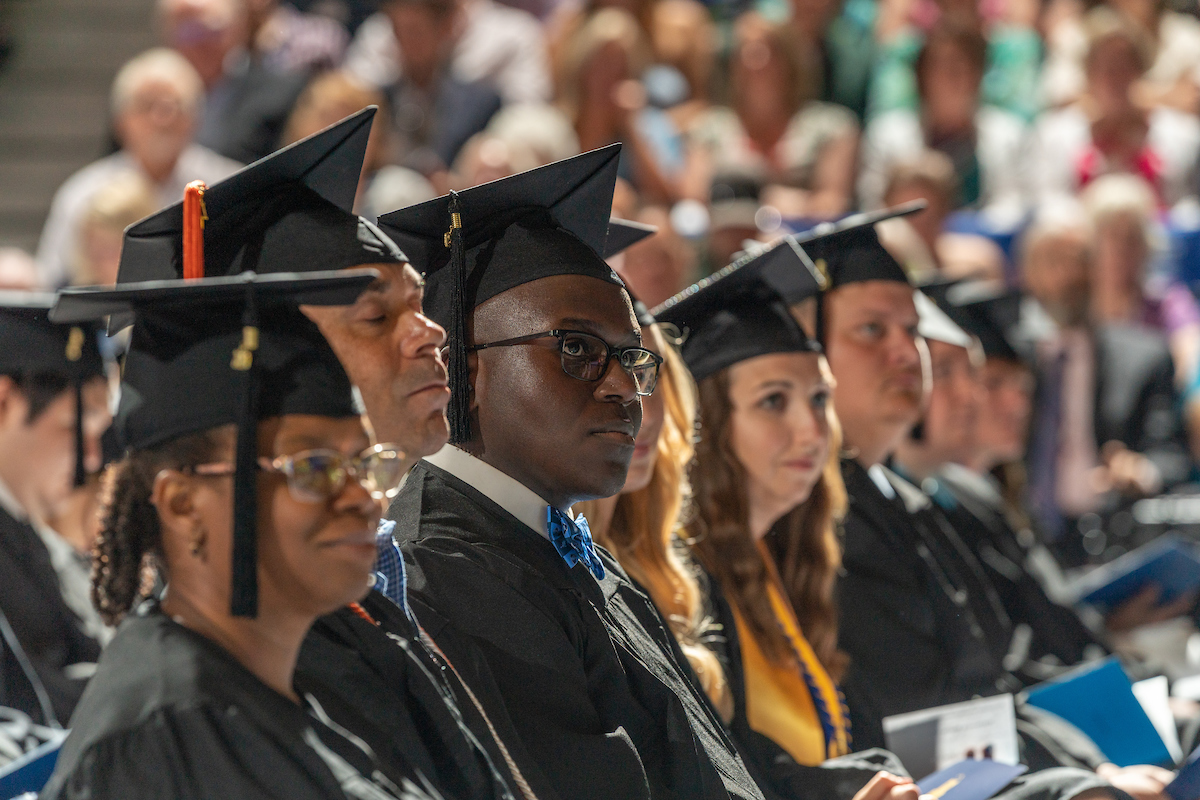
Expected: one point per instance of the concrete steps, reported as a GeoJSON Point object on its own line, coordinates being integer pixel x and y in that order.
{"type": "Point", "coordinates": [54, 97]}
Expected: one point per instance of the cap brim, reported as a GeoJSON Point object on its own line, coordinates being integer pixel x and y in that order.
{"type": "Point", "coordinates": [340, 287]}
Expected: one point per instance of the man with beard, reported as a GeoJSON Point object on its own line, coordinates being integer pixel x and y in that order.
{"type": "Point", "coordinates": [546, 373]}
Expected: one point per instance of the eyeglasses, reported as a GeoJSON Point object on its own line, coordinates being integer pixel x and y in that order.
{"type": "Point", "coordinates": [585, 357]}
{"type": "Point", "coordinates": [314, 476]}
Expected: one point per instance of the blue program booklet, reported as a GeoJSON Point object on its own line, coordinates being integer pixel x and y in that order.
{"type": "Point", "coordinates": [30, 772]}
{"type": "Point", "coordinates": [1098, 699]}
{"type": "Point", "coordinates": [971, 780]}
{"type": "Point", "coordinates": [1169, 562]}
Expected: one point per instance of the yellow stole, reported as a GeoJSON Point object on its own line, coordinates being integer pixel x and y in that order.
{"type": "Point", "coordinates": [779, 702]}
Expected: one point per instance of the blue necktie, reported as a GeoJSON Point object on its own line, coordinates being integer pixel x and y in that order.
{"type": "Point", "coordinates": [573, 540]}
{"type": "Point", "coordinates": [389, 567]}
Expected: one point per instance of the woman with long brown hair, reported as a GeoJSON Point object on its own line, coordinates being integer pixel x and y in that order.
{"type": "Point", "coordinates": [767, 439]}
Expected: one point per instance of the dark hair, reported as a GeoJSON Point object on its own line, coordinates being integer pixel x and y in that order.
{"type": "Point", "coordinates": [957, 33]}
{"type": "Point", "coordinates": [440, 9]}
{"type": "Point", "coordinates": [128, 552]}
{"type": "Point", "coordinates": [804, 543]}
{"type": "Point", "coordinates": [40, 389]}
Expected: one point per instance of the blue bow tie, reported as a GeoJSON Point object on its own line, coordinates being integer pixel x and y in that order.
{"type": "Point", "coordinates": [573, 540]}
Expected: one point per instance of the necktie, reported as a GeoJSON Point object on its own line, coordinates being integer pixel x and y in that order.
{"type": "Point", "coordinates": [573, 540]}
{"type": "Point", "coordinates": [1043, 451]}
{"type": "Point", "coordinates": [389, 567]}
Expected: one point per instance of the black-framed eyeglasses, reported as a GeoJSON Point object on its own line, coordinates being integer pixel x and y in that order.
{"type": "Point", "coordinates": [314, 476]}
{"type": "Point", "coordinates": [585, 357]}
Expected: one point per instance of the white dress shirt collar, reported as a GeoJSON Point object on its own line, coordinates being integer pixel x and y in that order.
{"type": "Point", "coordinates": [503, 490]}
{"type": "Point", "coordinates": [9, 502]}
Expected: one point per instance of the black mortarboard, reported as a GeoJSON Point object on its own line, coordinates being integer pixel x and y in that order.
{"type": "Point", "coordinates": [738, 313]}
{"type": "Point", "coordinates": [935, 324]}
{"type": "Point", "coordinates": [624, 234]}
{"type": "Point", "coordinates": [30, 344]}
{"type": "Point", "coordinates": [849, 250]}
{"type": "Point", "coordinates": [217, 351]}
{"type": "Point", "coordinates": [985, 311]}
{"type": "Point", "coordinates": [475, 244]}
{"type": "Point", "coordinates": [288, 212]}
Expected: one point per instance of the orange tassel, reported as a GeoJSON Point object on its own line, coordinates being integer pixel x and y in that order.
{"type": "Point", "coordinates": [194, 217]}
{"type": "Point", "coordinates": [362, 612]}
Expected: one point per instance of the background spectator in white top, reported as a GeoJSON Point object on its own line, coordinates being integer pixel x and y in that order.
{"type": "Point", "coordinates": [156, 99]}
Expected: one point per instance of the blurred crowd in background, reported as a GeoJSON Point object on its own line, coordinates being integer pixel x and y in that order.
{"type": "Point", "coordinates": [1056, 143]}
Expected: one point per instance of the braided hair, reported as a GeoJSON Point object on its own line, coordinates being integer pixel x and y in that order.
{"type": "Point", "coordinates": [128, 554]}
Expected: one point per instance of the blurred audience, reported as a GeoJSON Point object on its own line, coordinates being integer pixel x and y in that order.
{"type": "Point", "coordinates": [1128, 238]}
{"type": "Point", "coordinates": [288, 40]}
{"type": "Point", "coordinates": [987, 146]}
{"type": "Point", "coordinates": [247, 102]}
{"type": "Point", "coordinates": [156, 100]}
{"type": "Point", "coordinates": [1106, 423]}
{"type": "Point", "coordinates": [774, 130]}
{"type": "Point", "coordinates": [491, 42]}
{"type": "Point", "coordinates": [18, 270]}
{"type": "Point", "coordinates": [113, 208]}
{"type": "Point", "coordinates": [1107, 130]}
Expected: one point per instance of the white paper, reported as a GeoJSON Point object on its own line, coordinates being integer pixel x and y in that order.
{"type": "Point", "coordinates": [1153, 694]}
{"type": "Point", "coordinates": [986, 727]}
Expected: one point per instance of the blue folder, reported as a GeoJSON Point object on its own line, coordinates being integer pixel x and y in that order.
{"type": "Point", "coordinates": [1169, 562]}
{"type": "Point", "coordinates": [973, 779]}
{"type": "Point", "coordinates": [1098, 699]}
{"type": "Point", "coordinates": [30, 772]}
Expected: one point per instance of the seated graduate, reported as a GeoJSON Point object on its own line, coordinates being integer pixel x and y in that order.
{"type": "Point", "coordinates": [53, 410]}
{"type": "Point", "coordinates": [370, 655]}
{"type": "Point", "coordinates": [917, 615]}
{"type": "Point", "coordinates": [1048, 638]}
{"type": "Point", "coordinates": [768, 445]}
{"type": "Point", "coordinates": [250, 492]}
{"type": "Point", "coordinates": [1021, 566]}
{"type": "Point", "coordinates": [547, 369]}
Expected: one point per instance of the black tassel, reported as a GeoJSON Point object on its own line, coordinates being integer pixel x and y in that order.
{"type": "Point", "coordinates": [80, 467]}
{"type": "Point", "coordinates": [459, 412]}
{"type": "Point", "coordinates": [244, 601]}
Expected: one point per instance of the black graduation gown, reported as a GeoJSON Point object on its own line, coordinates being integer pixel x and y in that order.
{"type": "Point", "coordinates": [47, 630]}
{"type": "Point", "coordinates": [388, 676]}
{"type": "Point", "coordinates": [594, 693]}
{"type": "Point", "coordinates": [169, 714]}
{"type": "Point", "coordinates": [907, 618]}
{"type": "Point", "coordinates": [784, 778]}
{"type": "Point", "coordinates": [1054, 630]}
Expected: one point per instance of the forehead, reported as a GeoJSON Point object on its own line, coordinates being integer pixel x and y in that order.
{"type": "Point", "coordinates": [886, 300]}
{"type": "Point", "coordinates": [572, 301]}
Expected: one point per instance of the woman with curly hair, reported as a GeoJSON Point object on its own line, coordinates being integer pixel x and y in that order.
{"type": "Point", "coordinates": [245, 508]}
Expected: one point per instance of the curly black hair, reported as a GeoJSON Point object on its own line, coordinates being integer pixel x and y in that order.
{"type": "Point", "coordinates": [128, 552]}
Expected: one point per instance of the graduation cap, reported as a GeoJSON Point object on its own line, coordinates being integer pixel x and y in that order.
{"type": "Point", "coordinates": [219, 351]}
{"type": "Point", "coordinates": [739, 313]}
{"type": "Point", "coordinates": [288, 212]}
{"type": "Point", "coordinates": [478, 243]}
{"type": "Point", "coordinates": [936, 325]}
{"type": "Point", "coordinates": [983, 310]}
{"type": "Point", "coordinates": [624, 234]}
{"type": "Point", "coordinates": [849, 250]}
{"type": "Point", "coordinates": [30, 344]}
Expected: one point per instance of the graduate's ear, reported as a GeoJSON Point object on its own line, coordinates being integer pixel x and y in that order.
{"type": "Point", "coordinates": [13, 407]}
{"type": "Point", "coordinates": [174, 497]}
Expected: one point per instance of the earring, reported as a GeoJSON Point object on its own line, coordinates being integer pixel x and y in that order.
{"type": "Point", "coordinates": [197, 543]}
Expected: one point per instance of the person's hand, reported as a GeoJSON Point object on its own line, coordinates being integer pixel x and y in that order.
{"type": "Point", "coordinates": [1141, 781]}
{"type": "Point", "coordinates": [886, 786]}
{"type": "Point", "coordinates": [1144, 609]}
{"type": "Point", "coordinates": [1125, 471]}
